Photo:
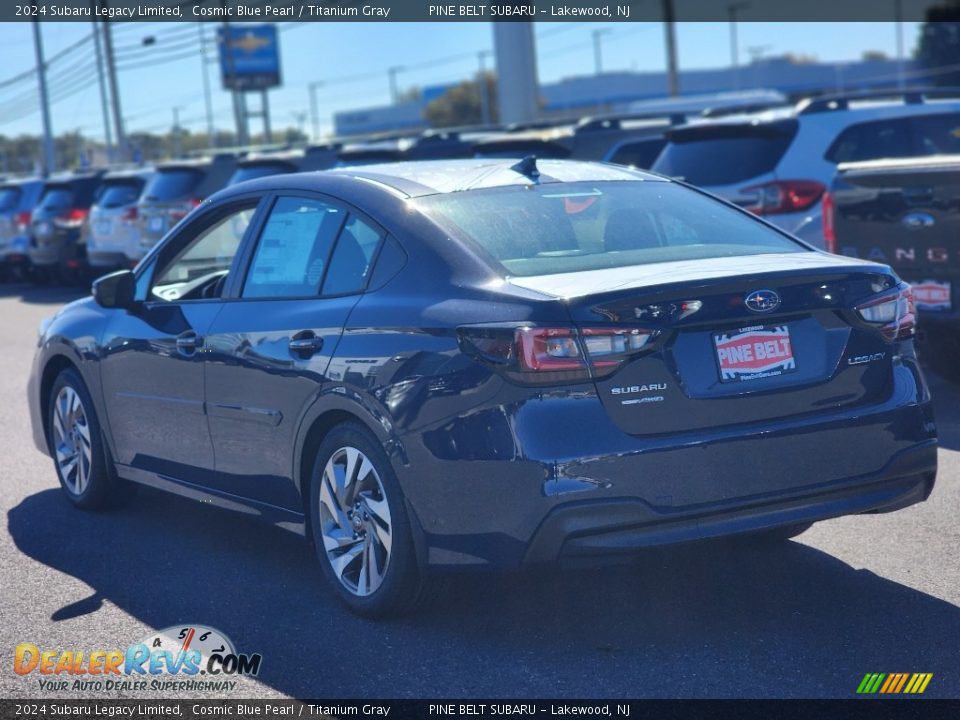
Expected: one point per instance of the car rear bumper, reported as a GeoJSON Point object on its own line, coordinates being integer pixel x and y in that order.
{"type": "Point", "coordinates": [624, 525]}
{"type": "Point", "coordinates": [570, 481]}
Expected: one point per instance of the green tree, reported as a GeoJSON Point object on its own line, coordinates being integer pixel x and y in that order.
{"type": "Point", "coordinates": [461, 104]}
{"type": "Point", "coordinates": [939, 47]}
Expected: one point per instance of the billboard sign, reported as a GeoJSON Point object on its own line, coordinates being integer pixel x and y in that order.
{"type": "Point", "coordinates": [249, 57]}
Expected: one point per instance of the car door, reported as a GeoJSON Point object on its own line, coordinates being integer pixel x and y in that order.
{"type": "Point", "coordinates": [271, 345]}
{"type": "Point", "coordinates": [152, 364]}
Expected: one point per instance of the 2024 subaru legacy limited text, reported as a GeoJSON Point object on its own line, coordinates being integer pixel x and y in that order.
{"type": "Point", "coordinates": [487, 363]}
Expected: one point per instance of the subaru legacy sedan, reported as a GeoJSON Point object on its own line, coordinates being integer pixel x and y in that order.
{"type": "Point", "coordinates": [485, 363]}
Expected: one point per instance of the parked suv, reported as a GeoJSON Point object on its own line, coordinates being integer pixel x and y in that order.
{"type": "Point", "coordinates": [59, 221]}
{"type": "Point", "coordinates": [17, 200]}
{"type": "Point", "coordinates": [779, 163]}
{"type": "Point", "coordinates": [176, 188]}
{"type": "Point", "coordinates": [114, 236]}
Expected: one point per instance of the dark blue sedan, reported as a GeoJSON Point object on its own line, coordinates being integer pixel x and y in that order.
{"type": "Point", "coordinates": [488, 363]}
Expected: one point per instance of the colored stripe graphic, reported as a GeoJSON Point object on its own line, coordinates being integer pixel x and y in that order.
{"type": "Point", "coordinates": [894, 683]}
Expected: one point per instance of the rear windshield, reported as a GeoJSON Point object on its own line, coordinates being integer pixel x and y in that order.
{"type": "Point", "coordinates": [571, 227]}
{"type": "Point", "coordinates": [118, 193]}
{"type": "Point", "coordinates": [720, 155]}
{"type": "Point", "coordinates": [173, 184]}
{"type": "Point", "coordinates": [9, 198]}
{"type": "Point", "coordinates": [639, 154]}
{"type": "Point", "coordinates": [56, 197]}
{"type": "Point", "coordinates": [259, 170]}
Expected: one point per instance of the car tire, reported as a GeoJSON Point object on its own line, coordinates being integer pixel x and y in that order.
{"type": "Point", "coordinates": [79, 454]}
{"type": "Point", "coordinates": [360, 526]}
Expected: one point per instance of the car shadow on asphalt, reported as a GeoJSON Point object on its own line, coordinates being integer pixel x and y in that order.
{"type": "Point", "coordinates": [745, 618]}
{"type": "Point", "coordinates": [946, 410]}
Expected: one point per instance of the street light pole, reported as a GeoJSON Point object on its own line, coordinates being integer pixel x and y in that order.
{"type": "Point", "coordinates": [732, 10]}
{"type": "Point", "coordinates": [597, 50]}
{"type": "Point", "coordinates": [394, 91]}
{"type": "Point", "coordinates": [898, 20]}
{"type": "Point", "coordinates": [177, 138]}
{"type": "Point", "coordinates": [49, 162]}
{"type": "Point", "coordinates": [670, 34]}
{"type": "Point", "coordinates": [314, 109]}
{"type": "Point", "coordinates": [483, 88]}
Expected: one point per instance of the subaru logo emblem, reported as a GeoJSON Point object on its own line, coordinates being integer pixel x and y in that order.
{"type": "Point", "coordinates": [762, 301]}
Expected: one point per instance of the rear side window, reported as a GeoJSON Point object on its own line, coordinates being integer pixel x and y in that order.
{"type": "Point", "coordinates": [173, 184]}
{"type": "Point", "coordinates": [914, 136]}
{"type": "Point", "coordinates": [293, 250]}
{"type": "Point", "coordinates": [119, 194]}
{"type": "Point", "coordinates": [872, 141]}
{"type": "Point", "coordinates": [573, 227]}
{"type": "Point", "coordinates": [937, 134]}
{"type": "Point", "coordinates": [56, 197]}
{"type": "Point", "coordinates": [9, 198]}
{"type": "Point", "coordinates": [721, 155]}
{"type": "Point", "coordinates": [352, 258]}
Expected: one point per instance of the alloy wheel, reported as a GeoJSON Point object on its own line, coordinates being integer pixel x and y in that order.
{"type": "Point", "coordinates": [355, 521]}
{"type": "Point", "coordinates": [71, 440]}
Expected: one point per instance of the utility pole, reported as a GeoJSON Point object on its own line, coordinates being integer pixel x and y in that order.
{"type": "Point", "coordinates": [670, 35]}
{"type": "Point", "coordinates": [484, 88]}
{"type": "Point", "coordinates": [732, 10]}
{"type": "Point", "coordinates": [122, 150]}
{"type": "Point", "coordinates": [517, 88]}
{"type": "Point", "coordinates": [207, 101]}
{"type": "Point", "coordinates": [394, 91]}
{"type": "Point", "coordinates": [597, 51]}
{"type": "Point", "coordinates": [49, 162]}
{"type": "Point", "coordinates": [314, 109]}
{"type": "Point", "coordinates": [104, 104]}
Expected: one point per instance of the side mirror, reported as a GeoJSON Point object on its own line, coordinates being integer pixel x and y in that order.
{"type": "Point", "coordinates": [115, 290]}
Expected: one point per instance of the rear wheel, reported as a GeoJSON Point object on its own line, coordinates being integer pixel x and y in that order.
{"type": "Point", "coordinates": [360, 526]}
{"type": "Point", "coordinates": [77, 447]}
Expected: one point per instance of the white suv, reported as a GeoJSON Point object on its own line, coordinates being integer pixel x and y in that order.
{"type": "Point", "coordinates": [779, 163]}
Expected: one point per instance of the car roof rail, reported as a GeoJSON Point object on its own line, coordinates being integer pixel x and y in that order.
{"type": "Point", "coordinates": [614, 121]}
{"type": "Point", "coordinates": [841, 101]}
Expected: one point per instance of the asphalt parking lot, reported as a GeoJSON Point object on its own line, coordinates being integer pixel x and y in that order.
{"type": "Point", "coordinates": [804, 618]}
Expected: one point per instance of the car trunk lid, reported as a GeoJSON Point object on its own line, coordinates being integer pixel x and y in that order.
{"type": "Point", "coordinates": [714, 362]}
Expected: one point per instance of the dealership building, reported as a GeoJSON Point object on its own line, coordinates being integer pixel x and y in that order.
{"type": "Point", "coordinates": [614, 91]}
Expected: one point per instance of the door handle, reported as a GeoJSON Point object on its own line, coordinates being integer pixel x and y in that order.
{"type": "Point", "coordinates": [305, 344]}
{"type": "Point", "coordinates": [188, 342]}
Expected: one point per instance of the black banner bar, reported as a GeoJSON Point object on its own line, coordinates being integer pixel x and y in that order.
{"type": "Point", "coordinates": [857, 709]}
{"type": "Point", "coordinates": [606, 11]}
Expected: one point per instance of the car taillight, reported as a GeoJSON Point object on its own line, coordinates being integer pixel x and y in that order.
{"type": "Point", "coordinates": [829, 232]}
{"type": "Point", "coordinates": [22, 222]}
{"type": "Point", "coordinates": [130, 214]}
{"type": "Point", "coordinates": [784, 196]}
{"type": "Point", "coordinates": [180, 214]}
{"type": "Point", "coordinates": [893, 313]}
{"type": "Point", "coordinates": [72, 218]}
{"type": "Point", "coordinates": [555, 354]}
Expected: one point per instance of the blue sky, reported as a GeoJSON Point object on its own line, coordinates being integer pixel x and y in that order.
{"type": "Point", "coordinates": [435, 53]}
